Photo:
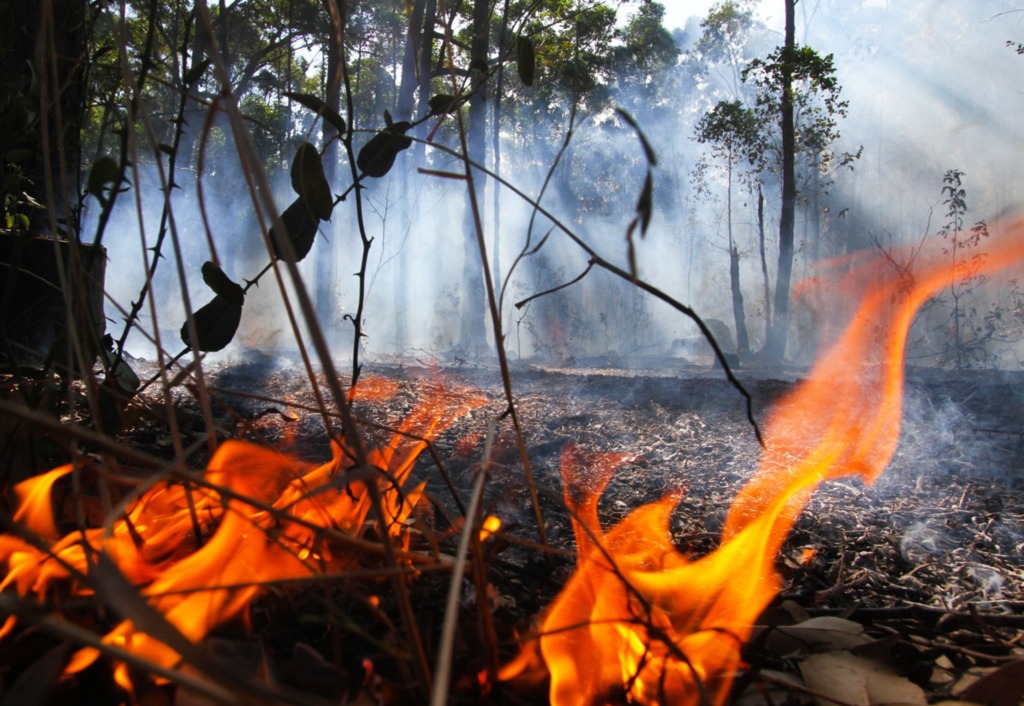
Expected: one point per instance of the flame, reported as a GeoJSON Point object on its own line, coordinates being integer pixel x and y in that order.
{"type": "Point", "coordinates": [640, 622]}
{"type": "Point", "coordinates": [490, 525]}
{"type": "Point", "coordinates": [200, 552]}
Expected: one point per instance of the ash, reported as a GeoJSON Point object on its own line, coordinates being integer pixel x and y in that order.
{"type": "Point", "coordinates": [942, 529]}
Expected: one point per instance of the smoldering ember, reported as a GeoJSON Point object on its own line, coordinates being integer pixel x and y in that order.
{"type": "Point", "coordinates": [565, 352]}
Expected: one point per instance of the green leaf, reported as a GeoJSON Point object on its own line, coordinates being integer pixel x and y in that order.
{"type": "Point", "coordinates": [216, 324]}
{"type": "Point", "coordinates": [526, 59]}
{"type": "Point", "coordinates": [442, 104]}
{"type": "Point", "coordinates": [301, 228]}
{"type": "Point", "coordinates": [221, 284]}
{"type": "Point", "coordinates": [320, 108]}
{"type": "Point", "coordinates": [378, 155]}
{"type": "Point", "coordinates": [309, 182]}
{"type": "Point", "coordinates": [196, 72]}
{"type": "Point", "coordinates": [19, 154]}
{"type": "Point", "coordinates": [645, 204]}
{"type": "Point", "coordinates": [104, 171]}
{"type": "Point", "coordinates": [652, 158]}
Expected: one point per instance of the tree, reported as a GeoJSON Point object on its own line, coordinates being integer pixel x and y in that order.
{"type": "Point", "coordinates": [797, 91]}
{"type": "Point", "coordinates": [725, 32]}
{"type": "Point", "coordinates": [41, 112]}
{"type": "Point", "coordinates": [647, 51]}
{"type": "Point", "coordinates": [734, 134]}
{"type": "Point", "coordinates": [472, 336]}
{"type": "Point", "coordinates": [969, 341]}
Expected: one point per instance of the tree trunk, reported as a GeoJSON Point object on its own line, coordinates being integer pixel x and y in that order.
{"type": "Point", "coordinates": [780, 326]}
{"type": "Point", "coordinates": [326, 266]}
{"type": "Point", "coordinates": [410, 65]}
{"type": "Point", "coordinates": [764, 264]}
{"type": "Point", "coordinates": [58, 65]}
{"type": "Point", "coordinates": [425, 48]}
{"type": "Point", "coordinates": [496, 147]}
{"type": "Point", "coordinates": [814, 206]}
{"type": "Point", "coordinates": [742, 341]}
{"type": "Point", "coordinates": [473, 334]}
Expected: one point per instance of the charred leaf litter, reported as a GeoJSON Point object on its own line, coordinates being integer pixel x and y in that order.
{"type": "Point", "coordinates": [933, 548]}
{"type": "Point", "coordinates": [950, 502]}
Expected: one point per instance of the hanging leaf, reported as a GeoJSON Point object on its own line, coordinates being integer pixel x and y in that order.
{"type": "Point", "coordinates": [216, 324]}
{"type": "Point", "coordinates": [309, 182]}
{"type": "Point", "coordinates": [526, 59]}
{"type": "Point", "coordinates": [300, 228]}
{"type": "Point", "coordinates": [103, 173]}
{"type": "Point", "coordinates": [196, 72]}
{"type": "Point", "coordinates": [652, 158]}
{"type": "Point", "coordinates": [221, 284]}
{"type": "Point", "coordinates": [645, 204]}
{"type": "Point", "coordinates": [320, 108]}
{"type": "Point", "coordinates": [378, 155]}
{"type": "Point", "coordinates": [441, 104]}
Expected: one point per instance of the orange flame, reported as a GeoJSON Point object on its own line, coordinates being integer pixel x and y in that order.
{"type": "Point", "coordinates": [262, 516]}
{"type": "Point", "coordinates": [642, 623]}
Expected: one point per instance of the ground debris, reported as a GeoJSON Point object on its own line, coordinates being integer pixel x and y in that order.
{"type": "Point", "coordinates": [912, 587]}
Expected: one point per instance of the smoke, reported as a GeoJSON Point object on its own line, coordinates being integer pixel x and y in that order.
{"type": "Point", "coordinates": [931, 86]}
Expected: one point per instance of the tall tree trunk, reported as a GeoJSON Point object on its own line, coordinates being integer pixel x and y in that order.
{"type": "Point", "coordinates": [814, 206]}
{"type": "Point", "coordinates": [326, 266]}
{"type": "Point", "coordinates": [56, 54]}
{"type": "Point", "coordinates": [412, 78]}
{"type": "Point", "coordinates": [764, 264]}
{"type": "Point", "coordinates": [425, 55]}
{"type": "Point", "coordinates": [742, 341]}
{"type": "Point", "coordinates": [780, 326]}
{"type": "Point", "coordinates": [194, 115]}
{"type": "Point", "coordinates": [473, 334]}
{"type": "Point", "coordinates": [496, 146]}
{"type": "Point", "coordinates": [410, 64]}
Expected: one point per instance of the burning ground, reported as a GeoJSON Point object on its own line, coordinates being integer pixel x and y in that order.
{"type": "Point", "coordinates": [926, 562]}
{"type": "Point", "coordinates": [674, 559]}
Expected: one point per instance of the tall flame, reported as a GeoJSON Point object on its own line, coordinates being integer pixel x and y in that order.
{"type": "Point", "coordinates": [642, 623]}
{"type": "Point", "coordinates": [261, 516]}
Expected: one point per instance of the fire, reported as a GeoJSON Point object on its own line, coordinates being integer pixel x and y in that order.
{"type": "Point", "coordinates": [489, 526]}
{"type": "Point", "coordinates": [640, 622]}
{"type": "Point", "coordinates": [198, 552]}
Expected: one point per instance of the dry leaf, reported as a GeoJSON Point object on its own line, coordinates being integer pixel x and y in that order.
{"type": "Point", "coordinates": [1001, 687]}
{"type": "Point", "coordinates": [771, 687]}
{"type": "Point", "coordinates": [842, 677]}
{"type": "Point", "coordinates": [821, 634]}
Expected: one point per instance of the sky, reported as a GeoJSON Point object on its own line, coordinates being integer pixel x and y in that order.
{"type": "Point", "coordinates": [677, 11]}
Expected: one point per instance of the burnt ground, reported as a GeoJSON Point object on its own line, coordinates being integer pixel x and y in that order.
{"type": "Point", "coordinates": [932, 552]}
{"type": "Point", "coordinates": [930, 557]}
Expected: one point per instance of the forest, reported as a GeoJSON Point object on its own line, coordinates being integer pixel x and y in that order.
{"type": "Point", "coordinates": [667, 154]}
{"type": "Point", "coordinates": [578, 302]}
